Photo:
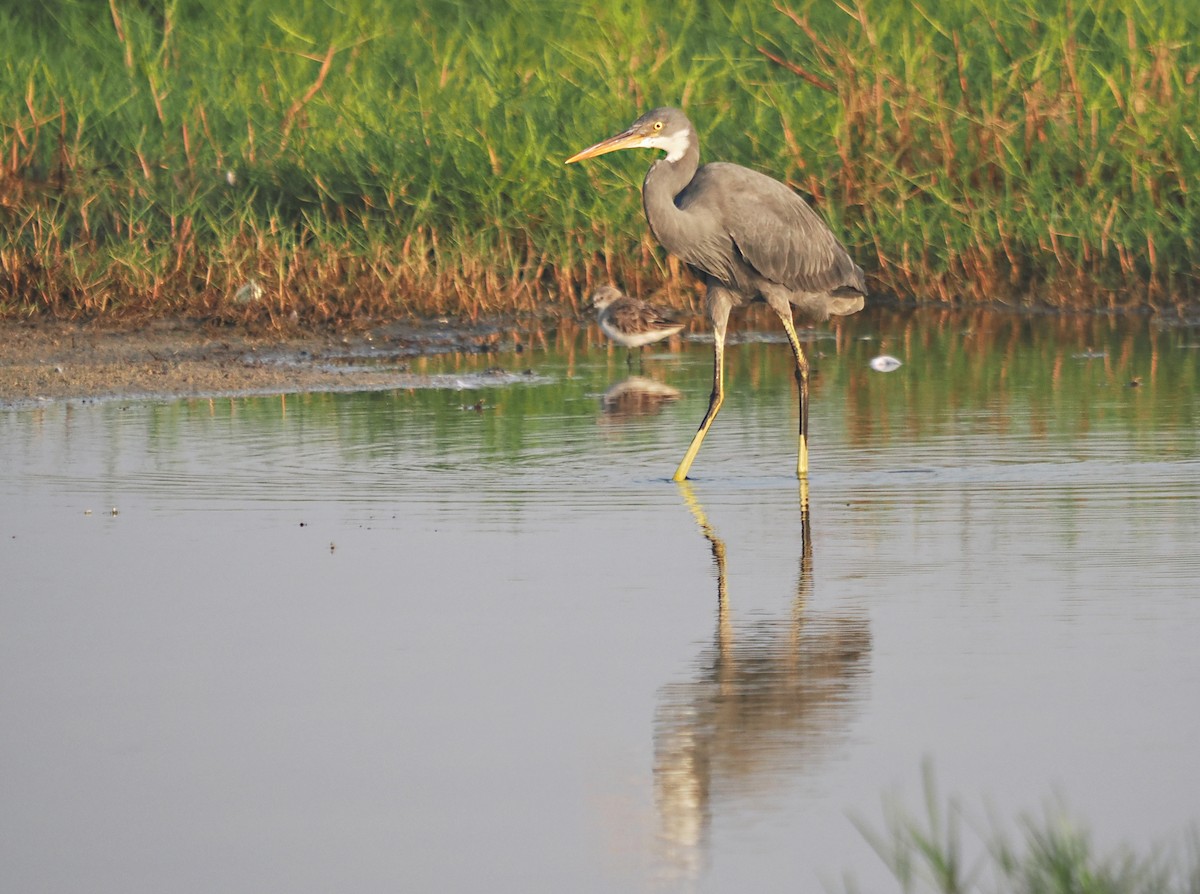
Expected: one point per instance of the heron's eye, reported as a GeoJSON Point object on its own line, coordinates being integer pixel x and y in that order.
{"type": "Point", "coordinates": [658, 125]}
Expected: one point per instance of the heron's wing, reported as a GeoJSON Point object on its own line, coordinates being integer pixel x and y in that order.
{"type": "Point", "coordinates": [773, 229]}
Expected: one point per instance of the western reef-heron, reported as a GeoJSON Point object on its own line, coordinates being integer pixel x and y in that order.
{"type": "Point", "coordinates": [747, 236]}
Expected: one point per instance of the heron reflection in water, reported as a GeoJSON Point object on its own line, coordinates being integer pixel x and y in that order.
{"type": "Point", "coordinates": [766, 701]}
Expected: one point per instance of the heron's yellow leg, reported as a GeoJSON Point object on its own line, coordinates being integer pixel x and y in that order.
{"type": "Point", "coordinates": [802, 382]}
{"type": "Point", "coordinates": [714, 404]}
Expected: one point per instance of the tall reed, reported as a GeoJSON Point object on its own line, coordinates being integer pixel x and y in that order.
{"type": "Point", "coordinates": [368, 157]}
{"type": "Point", "coordinates": [1014, 151]}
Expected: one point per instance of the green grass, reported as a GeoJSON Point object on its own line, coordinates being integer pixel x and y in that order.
{"type": "Point", "coordinates": [943, 852]}
{"type": "Point", "coordinates": [407, 157]}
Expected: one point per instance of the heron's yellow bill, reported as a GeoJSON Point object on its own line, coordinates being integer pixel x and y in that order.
{"type": "Point", "coordinates": [626, 139]}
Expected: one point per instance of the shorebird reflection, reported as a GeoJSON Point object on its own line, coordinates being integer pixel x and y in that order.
{"type": "Point", "coordinates": [637, 396]}
{"type": "Point", "coordinates": [767, 701]}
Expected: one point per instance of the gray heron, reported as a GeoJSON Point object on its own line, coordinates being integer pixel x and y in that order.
{"type": "Point", "coordinates": [747, 236]}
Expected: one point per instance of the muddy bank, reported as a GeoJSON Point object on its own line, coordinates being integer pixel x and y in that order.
{"type": "Point", "coordinates": [43, 361]}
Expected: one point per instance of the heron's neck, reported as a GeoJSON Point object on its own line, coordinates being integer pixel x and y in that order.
{"type": "Point", "coordinates": [664, 181]}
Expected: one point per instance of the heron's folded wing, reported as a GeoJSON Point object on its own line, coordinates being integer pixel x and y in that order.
{"type": "Point", "coordinates": [775, 230]}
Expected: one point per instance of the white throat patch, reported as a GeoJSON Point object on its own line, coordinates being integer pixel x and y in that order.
{"type": "Point", "coordinates": [675, 144]}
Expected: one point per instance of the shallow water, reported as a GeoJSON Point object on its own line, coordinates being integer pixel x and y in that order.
{"type": "Point", "coordinates": [387, 641]}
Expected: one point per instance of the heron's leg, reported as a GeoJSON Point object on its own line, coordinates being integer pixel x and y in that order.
{"type": "Point", "coordinates": [802, 382]}
{"type": "Point", "coordinates": [720, 319]}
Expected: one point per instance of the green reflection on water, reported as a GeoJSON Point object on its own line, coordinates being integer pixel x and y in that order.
{"type": "Point", "coordinates": [1056, 376]}
{"type": "Point", "coordinates": [1038, 377]}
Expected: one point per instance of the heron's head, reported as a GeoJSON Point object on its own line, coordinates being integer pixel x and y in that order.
{"type": "Point", "coordinates": [667, 129]}
{"type": "Point", "coordinates": [603, 297]}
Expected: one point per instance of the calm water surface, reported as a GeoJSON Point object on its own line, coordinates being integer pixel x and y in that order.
{"type": "Point", "coordinates": [385, 642]}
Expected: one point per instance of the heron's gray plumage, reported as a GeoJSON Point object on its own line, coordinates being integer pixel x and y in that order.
{"type": "Point", "coordinates": [743, 228]}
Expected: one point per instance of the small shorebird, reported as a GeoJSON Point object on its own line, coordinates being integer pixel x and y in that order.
{"type": "Point", "coordinates": [632, 322]}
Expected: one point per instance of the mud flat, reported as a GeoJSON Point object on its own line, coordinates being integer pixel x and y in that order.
{"type": "Point", "coordinates": [45, 361]}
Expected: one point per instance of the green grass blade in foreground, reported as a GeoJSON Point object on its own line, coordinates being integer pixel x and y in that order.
{"type": "Point", "coordinates": [1053, 856]}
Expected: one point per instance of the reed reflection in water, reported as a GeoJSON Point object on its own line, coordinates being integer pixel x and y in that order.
{"type": "Point", "coordinates": [769, 699]}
